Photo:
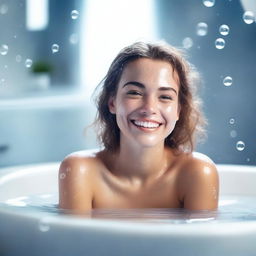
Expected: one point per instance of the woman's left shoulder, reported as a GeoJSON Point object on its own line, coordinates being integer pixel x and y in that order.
{"type": "Point", "coordinates": [198, 182]}
{"type": "Point", "coordinates": [199, 162]}
{"type": "Point", "coordinates": [198, 166]}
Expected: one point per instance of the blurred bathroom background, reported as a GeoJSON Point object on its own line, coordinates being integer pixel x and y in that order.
{"type": "Point", "coordinates": [53, 53]}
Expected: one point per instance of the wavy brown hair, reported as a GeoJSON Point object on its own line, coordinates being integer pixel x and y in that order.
{"type": "Point", "coordinates": [190, 125]}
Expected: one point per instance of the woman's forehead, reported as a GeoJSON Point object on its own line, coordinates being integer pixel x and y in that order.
{"type": "Point", "coordinates": [150, 70]}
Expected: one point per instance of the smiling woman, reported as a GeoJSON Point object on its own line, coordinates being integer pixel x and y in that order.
{"type": "Point", "coordinates": [149, 117]}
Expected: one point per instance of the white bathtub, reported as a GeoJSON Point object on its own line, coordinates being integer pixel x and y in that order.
{"type": "Point", "coordinates": [66, 235]}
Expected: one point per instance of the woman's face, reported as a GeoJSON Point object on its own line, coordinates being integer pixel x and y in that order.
{"type": "Point", "coordinates": [146, 103]}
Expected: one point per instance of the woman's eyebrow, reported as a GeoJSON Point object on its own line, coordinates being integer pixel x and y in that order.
{"type": "Point", "coordinates": [135, 83]}
{"type": "Point", "coordinates": [140, 85]}
{"type": "Point", "coordinates": [167, 88]}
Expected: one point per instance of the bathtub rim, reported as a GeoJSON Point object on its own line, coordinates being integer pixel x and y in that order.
{"type": "Point", "coordinates": [217, 228]}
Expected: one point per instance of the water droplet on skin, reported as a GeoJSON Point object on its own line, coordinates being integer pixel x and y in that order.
{"type": "Point", "coordinates": [232, 121]}
{"type": "Point", "coordinates": [233, 134]}
{"type": "Point", "coordinates": [62, 176]}
{"type": "Point", "coordinates": [3, 9]}
{"type": "Point", "coordinates": [201, 29]}
{"type": "Point", "coordinates": [28, 63]}
{"type": "Point", "coordinates": [224, 30]}
{"type": "Point", "coordinates": [68, 169]}
{"type": "Point", "coordinates": [209, 3]}
{"type": "Point", "coordinates": [4, 49]}
{"type": "Point", "coordinates": [18, 58]}
{"type": "Point", "coordinates": [248, 17]}
{"type": "Point", "coordinates": [187, 42]}
{"type": "Point", "coordinates": [240, 145]}
{"type": "Point", "coordinates": [227, 81]}
{"type": "Point", "coordinates": [44, 225]}
{"type": "Point", "coordinates": [55, 48]}
{"type": "Point", "coordinates": [74, 14]}
{"type": "Point", "coordinates": [219, 43]}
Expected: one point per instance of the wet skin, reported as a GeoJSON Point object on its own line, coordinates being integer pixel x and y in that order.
{"type": "Point", "coordinates": [143, 173]}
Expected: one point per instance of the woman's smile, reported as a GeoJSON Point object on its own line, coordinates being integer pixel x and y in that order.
{"type": "Point", "coordinates": [146, 125]}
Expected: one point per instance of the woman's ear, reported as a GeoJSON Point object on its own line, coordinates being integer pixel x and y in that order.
{"type": "Point", "coordinates": [111, 105]}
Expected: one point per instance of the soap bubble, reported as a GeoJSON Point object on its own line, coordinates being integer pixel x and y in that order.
{"type": "Point", "coordinates": [187, 42]}
{"type": "Point", "coordinates": [18, 58]}
{"type": "Point", "coordinates": [44, 225]}
{"type": "Point", "coordinates": [220, 43]}
{"type": "Point", "coordinates": [224, 30]}
{"type": "Point", "coordinates": [55, 48]}
{"type": "Point", "coordinates": [201, 29]}
{"type": "Point", "coordinates": [240, 145]}
{"type": "Point", "coordinates": [231, 120]}
{"type": "Point", "coordinates": [3, 9]}
{"type": "Point", "coordinates": [4, 49]}
{"type": "Point", "coordinates": [73, 39]}
{"type": "Point", "coordinates": [74, 14]}
{"type": "Point", "coordinates": [233, 134]}
{"type": "Point", "coordinates": [28, 63]}
{"type": "Point", "coordinates": [248, 17]}
{"type": "Point", "coordinates": [209, 3]}
{"type": "Point", "coordinates": [227, 81]}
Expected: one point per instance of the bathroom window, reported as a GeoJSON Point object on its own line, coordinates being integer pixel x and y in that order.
{"type": "Point", "coordinates": [37, 14]}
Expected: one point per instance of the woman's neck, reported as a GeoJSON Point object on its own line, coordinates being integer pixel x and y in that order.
{"type": "Point", "coordinates": [141, 163]}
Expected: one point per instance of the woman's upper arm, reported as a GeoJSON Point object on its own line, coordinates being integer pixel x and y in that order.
{"type": "Point", "coordinates": [75, 190]}
{"type": "Point", "coordinates": [201, 190]}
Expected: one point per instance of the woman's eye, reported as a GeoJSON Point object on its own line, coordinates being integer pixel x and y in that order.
{"type": "Point", "coordinates": [134, 93]}
{"type": "Point", "coordinates": [166, 97]}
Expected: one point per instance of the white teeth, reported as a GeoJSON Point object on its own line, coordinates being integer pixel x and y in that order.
{"type": "Point", "coordinates": [146, 124]}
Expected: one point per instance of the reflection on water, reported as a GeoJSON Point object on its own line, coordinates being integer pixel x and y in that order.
{"type": "Point", "coordinates": [231, 209]}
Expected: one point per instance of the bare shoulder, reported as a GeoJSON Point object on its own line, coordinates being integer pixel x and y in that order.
{"type": "Point", "coordinates": [199, 182]}
{"type": "Point", "coordinates": [79, 161]}
{"type": "Point", "coordinates": [76, 180]}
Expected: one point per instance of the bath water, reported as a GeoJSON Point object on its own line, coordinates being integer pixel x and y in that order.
{"type": "Point", "coordinates": [231, 209]}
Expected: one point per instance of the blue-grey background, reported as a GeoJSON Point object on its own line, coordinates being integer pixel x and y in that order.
{"type": "Point", "coordinates": [43, 125]}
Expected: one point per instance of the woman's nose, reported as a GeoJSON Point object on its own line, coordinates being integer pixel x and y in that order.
{"type": "Point", "coordinates": [149, 106]}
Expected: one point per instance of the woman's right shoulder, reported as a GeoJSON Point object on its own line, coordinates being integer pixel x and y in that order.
{"type": "Point", "coordinates": [81, 161]}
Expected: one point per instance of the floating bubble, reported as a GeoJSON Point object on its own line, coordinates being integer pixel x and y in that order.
{"type": "Point", "coordinates": [62, 176]}
{"type": "Point", "coordinates": [44, 225]}
{"type": "Point", "coordinates": [201, 29]}
{"type": "Point", "coordinates": [2, 80]}
{"type": "Point", "coordinates": [240, 145]}
{"type": "Point", "coordinates": [209, 3]}
{"type": "Point", "coordinates": [28, 63]}
{"type": "Point", "coordinates": [55, 48]}
{"type": "Point", "coordinates": [224, 30]}
{"type": "Point", "coordinates": [4, 49]}
{"type": "Point", "coordinates": [6, 66]}
{"type": "Point", "coordinates": [231, 120]}
{"type": "Point", "coordinates": [74, 14]}
{"type": "Point", "coordinates": [73, 39]}
{"type": "Point", "coordinates": [18, 58]}
{"type": "Point", "coordinates": [187, 42]}
{"type": "Point", "coordinates": [233, 134]}
{"type": "Point", "coordinates": [3, 9]}
{"type": "Point", "coordinates": [248, 159]}
{"type": "Point", "coordinates": [220, 43]}
{"type": "Point", "coordinates": [227, 81]}
{"type": "Point", "coordinates": [248, 17]}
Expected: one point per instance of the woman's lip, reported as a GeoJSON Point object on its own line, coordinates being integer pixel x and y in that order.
{"type": "Point", "coordinates": [146, 120]}
{"type": "Point", "coordinates": [147, 126]}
